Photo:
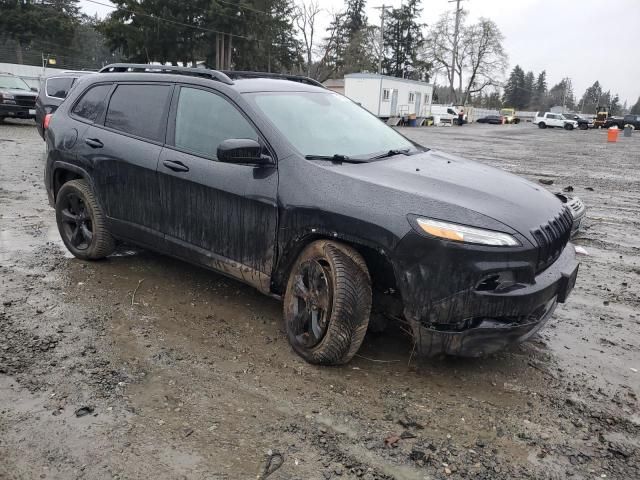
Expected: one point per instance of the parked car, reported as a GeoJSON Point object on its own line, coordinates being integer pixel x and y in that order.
{"type": "Point", "coordinates": [584, 123]}
{"type": "Point", "coordinates": [509, 115]}
{"type": "Point", "coordinates": [299, 192]}
{"type": "Point", "coordinates": [53, 91]}
{"type": "Point", "coordinates": [577, 208]}
{"type": "Point", "coordinates": [17, 98]}
{"type": "Point", "coordinates": [552, 120]}
{"type": "Point", "coordinates": [620, 122]}
{"type": "Point", "coordinates": [492, 119]}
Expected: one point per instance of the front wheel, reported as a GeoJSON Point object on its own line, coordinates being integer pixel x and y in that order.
{"type": "Point", "coordinates": [327, 303]}
{"type": "Point", "coordinates": [81, 222]}
{"type": "Point", "coordinates": [583, 126]}
{"type": "Point", "coordinates": [568, 126]}
{"type": "Point", "coordinates": [542, 125]}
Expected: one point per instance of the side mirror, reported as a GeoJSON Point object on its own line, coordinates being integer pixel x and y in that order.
{"type": "Point", "coordinates": [242, 150]}
{"type": "Point", "coordinates": [34, 89]}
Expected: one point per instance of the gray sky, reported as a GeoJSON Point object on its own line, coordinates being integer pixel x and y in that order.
{"type": "Point", "coordinates": [580, 39]}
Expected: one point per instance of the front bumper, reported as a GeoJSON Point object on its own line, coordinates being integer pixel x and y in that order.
{"type": "Point", "coordinates": [474, 322]}
{"type": "Point", "coordinates": [17, 111]}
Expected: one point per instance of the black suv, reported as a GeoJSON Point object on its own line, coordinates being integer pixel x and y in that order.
{"type": "Point", "coordinates": [306, 196]}
{"type": "Point", "coordinates": [17, 98]}
{"type": "Point", "coordinates": [53, 91]}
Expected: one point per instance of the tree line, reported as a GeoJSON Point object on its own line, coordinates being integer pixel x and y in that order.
{"type": "Point", "coordinates": [466, 61]}
{"type": "Point", "coordinates": [526, 91]}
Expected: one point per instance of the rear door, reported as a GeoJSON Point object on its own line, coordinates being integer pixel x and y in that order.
{"type": "Point", "coordinates": [219, 214]}
{"type": "Point", "coordinates": [123, 149]}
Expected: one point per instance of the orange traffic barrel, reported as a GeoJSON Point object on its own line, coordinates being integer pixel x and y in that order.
{"type": "Point", "coordinates": [612, 134]}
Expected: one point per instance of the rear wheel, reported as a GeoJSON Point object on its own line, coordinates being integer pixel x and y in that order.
{"type": "Point", "coordinates": [81, 222]}
{"type": "Point", "coordinates": [327, 303]}
{"type": "Point", "coordinates": [583, 126]}
{"type": "Point", "coordinates": [542, 125]}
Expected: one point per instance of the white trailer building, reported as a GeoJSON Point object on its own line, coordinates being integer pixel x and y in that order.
{"type": "Point", "coordinates": [386, 96]}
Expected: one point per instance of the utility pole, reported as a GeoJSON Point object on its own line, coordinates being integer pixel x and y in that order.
{"type": "Point", "coordinates": [454, 50]}
{"type": "Point", "coordinates": [567, 85]}
{"type": "Point", "coordinates": [383, 11]}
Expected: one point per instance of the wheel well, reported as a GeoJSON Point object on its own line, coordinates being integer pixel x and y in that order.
{"type": "Point", "coordinates": [62, 176]}
{"type": "Point", "coordinates": [383, 280]}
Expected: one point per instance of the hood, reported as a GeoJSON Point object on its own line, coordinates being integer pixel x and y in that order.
{"type": "Point", "coordinates": [439, 181]}
{"type": "Point", "coordinates": [27, 93]}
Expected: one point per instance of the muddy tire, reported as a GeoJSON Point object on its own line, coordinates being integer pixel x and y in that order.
{"type": "Point", "coordinates": [327, 303]}
{"type": "Point", "coordinates": [81, 222]}
{"type": "Point", "coordinates": [542, 125]}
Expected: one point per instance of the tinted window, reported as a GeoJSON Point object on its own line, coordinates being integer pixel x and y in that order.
{"type": "Point", "coordinates": [91, 104]}
{"type": "Point", "coordinates": [204, 120]}
{"type": "Point", "coordinates": [139, 110]}
{"type": "Point", "coordinates": [59, 87]}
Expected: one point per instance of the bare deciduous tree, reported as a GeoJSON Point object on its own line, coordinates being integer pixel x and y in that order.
{"type": "Point", "coordinates": [306, 15]}
{"type": "Point", "coordinates": [480, 60]}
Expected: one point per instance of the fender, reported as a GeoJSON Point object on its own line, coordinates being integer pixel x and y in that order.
{"type": "Point", "coordinates": [60, 165]}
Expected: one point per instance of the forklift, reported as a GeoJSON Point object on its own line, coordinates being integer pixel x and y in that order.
{"type": "Point", "coordinates": [602, 113]}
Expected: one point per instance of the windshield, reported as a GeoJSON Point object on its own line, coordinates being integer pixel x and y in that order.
{"type": "Point", "coordinates": [506, 111]}
{"type": "Point", "coordinates": [328, 124]}
{"type": "Point", "coordinates": [13, 83]}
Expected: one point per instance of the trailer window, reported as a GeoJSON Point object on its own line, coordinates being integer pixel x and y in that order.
{"type": "Point", "coordinates": [386, 94]}
{"type": "Point", "coordinates": [412, 97]}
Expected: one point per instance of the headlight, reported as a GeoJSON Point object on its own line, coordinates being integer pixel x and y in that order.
{"type": "Point", "coordinates": [462, 233]}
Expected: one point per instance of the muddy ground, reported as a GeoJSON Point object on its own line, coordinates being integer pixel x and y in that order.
{"type": "Point", "coordinates": [141, 366]}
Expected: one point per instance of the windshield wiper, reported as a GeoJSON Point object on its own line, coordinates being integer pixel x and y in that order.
{"type": "Point", "coordinates": [391, 153]}
{"type": "Point", "coordinates": [335, 158]}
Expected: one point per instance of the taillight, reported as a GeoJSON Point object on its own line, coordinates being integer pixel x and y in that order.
{"type": "Point", "coordinates": [47, 119]}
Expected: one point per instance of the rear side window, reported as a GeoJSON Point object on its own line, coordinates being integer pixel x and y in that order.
{"type": "Point", "coordinates": [59, 87]}
{"type": "Point", "coordinates": [139, 110]}
{"type": "Point", "coordinates": [91, 104]}
{"type": "Point", "coordinates": [204, 120]}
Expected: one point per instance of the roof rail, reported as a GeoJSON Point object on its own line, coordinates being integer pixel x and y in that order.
{"type": "Point", "coordinates": [283, 76]}
{"type": "Point", "coordinates": [149, 68]}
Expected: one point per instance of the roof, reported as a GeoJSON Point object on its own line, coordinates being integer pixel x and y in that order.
{"type": "Point", "coordinates": [387, 77]}
{"type": "Point", "coordinates": [240, 85]}
{"type": "Point", "coordinates": [237, 80]}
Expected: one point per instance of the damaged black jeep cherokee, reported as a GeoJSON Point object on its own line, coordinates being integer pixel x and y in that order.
{"type": "Point", "coordinates": [301, 193]}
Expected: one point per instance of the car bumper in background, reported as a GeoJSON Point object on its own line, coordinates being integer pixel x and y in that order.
{"type": "Point", "coordinates": [17, 111]}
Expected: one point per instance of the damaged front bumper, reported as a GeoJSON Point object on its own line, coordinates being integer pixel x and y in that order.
{"type": "Point", "coordinates": [475, 322]}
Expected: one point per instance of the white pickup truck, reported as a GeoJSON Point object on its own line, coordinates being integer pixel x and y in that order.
{"type": "Point", "coordinates": [548, 119]}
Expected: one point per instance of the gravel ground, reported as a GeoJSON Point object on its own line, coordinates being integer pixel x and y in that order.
{"type": "Point", "coordinates": [141, 366]}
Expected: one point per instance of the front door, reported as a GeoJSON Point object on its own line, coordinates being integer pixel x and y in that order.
{"type": "Point", "coordinates": [218, 214]}
{"type": "Point", "coordinates": [394, 102]}
{"type": "Point", "coordinates": [418, 98]}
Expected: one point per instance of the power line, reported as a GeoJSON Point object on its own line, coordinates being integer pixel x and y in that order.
{"type": "Point", "coordinates": [174, 22]}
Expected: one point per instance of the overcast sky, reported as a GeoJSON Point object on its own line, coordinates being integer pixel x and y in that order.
{"type": "Point", "coordinates": [581, 39]}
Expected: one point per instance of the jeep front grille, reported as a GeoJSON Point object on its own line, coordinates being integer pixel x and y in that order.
{"type": "Point", "coordinates": [552, 238]}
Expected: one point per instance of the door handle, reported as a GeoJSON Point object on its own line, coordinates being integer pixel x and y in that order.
{"type": "Point", "coordinates": [175, 165]}
{"type": "Point", "coordinates": [94, 143]}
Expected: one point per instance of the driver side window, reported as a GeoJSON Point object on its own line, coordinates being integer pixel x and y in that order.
{"type": "Point", "coordinates": [204, 120]}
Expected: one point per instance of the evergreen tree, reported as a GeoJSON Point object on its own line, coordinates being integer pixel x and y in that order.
{"type": "Point", "coordinates": [561, 94]}
{"type": "Point", "coordinates": [529, 88]}
{"type": "Point", "coordinates": [514, 90]}
{"type": "Point", "coordinates": [592, 98]}
{"type": "Point", "coordinates": [24, 21]}
{"type": "Point", "coordinates": [636, 108]}
{"type": "Point", "coordinates": [403, 40]}
{"type": "Point", "coordinates": [353, 53]}
{"type": "Point", "coordinates": [539, 97]}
